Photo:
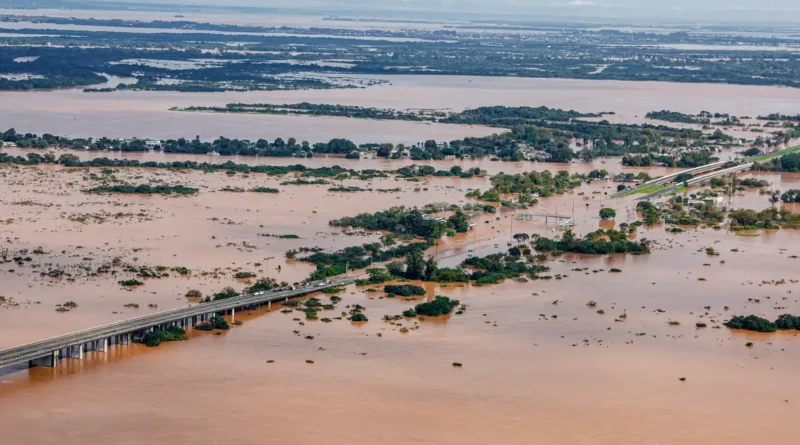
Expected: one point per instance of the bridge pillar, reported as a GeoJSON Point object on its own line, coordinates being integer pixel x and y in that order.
{"type": "Point", "coordinates": [233, 315]}
{"type": "Point", "coordinates": [80, 352]}
{"type": "Point", "coordinates": [49, 361]}
{"type": "Point", "coordinates": [269, 305]}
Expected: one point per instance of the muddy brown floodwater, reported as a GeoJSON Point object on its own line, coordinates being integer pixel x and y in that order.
{"type": "Point", "coordinates": [146, 114]}
{"type": "Point", "coordinates": [539, 365]}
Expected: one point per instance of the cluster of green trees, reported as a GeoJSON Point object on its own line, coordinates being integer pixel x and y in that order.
{"type": "Point", "coordinates": [751, 182]}
{"type": "Point", "coordinates": [689, 159]}
{"type": "Point", "coordinates": [144, 189]}
{"type": "Point", "coordinates": [678, 211]}
{"type": "Point", "coordinates": [771, 218]}
{"type": "Point", "coordinates": [156, 337]}
{"type": "Point", "coordinates": [791, 196]}
{"type": "Point", "coordinates": [674, 116]}
{"type": "Point", "coordinates": [599, 242]}
{"type": "Point", "coordinates": [437, 307]}
{"type": "Point", "coordinates": [404, 290]}
{"type": "Point", "coordinates": [648, 160]}
{"type": "Point", "coordinates": [527, 185]}
{"type": "Point", "coordinates": [787, 163]}
{"type": "Point", "coordinates": [359, 257]}
{"type": "Point", "coordinates": [418, 171]}
{"type": "Point", "coordinates": [216, 322]}
{"type": "Point", "coordinates": [494, 268]}
{"type": "Point", "coordinates": [406, 222]}
{"type": "Point", "coordinates": [309, 109]}
{"type": "Point", "coordinates": [71, 160]}
{"type": "Point", "coordinates": [780, 117]}
{"type": "Point", "coordinates": [785, 322]}
{"type": "Point", "coordinates": [496, 116]}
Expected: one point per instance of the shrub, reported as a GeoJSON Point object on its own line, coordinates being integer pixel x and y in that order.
{"type": "Point", "coordinates": [751, 323]}
{"type": "Point", "coordinates": [172, 333]}
{"type": "Point", "coordinates": [608, 213]}
{"type": "Point", "coordinates": [404, 290]}
{"type": "Point", "coordinates": [359, 317]}
{"type": "Point", "coordinates": [226, 293]}
{"type": "Point", "coordinates": [194, 293]}
{"type": "Point", "coordinates": [439, 306]}
{"type": "Point", "coordinates": [787, 322]}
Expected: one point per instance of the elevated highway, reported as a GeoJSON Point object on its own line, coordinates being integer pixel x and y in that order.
{"type": "Point", "coordinates": [698, 180]}
{"type": "Point", "coordinates": [671, 178]}
{"type": "Point", "coordinates": [48, 352]}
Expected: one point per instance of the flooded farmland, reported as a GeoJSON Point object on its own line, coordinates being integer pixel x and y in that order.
{"type": "Point", "coordinates": [539, 365]}
{"type": "Point", "coordinates": [582, 350]}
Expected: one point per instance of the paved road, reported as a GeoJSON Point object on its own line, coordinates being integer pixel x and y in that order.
{"type": "Point", "coordinates": [670, 177]}
{"type": "Point", "coordinates": [44, 348]}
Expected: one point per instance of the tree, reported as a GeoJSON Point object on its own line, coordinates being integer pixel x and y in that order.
{"type": "Point", "coordinates": [415, 266]}
{"type": "Point", "coordinates": [68, 159]}
{"type": "Point", "coordinates": [683, 177]}
{"type": "Point", "coordinates": [430, 268]}
{"type": "Point", "coordinates": [458, 221]}
{"type": "Point", "coordinates": [521, 237]}
{"type": "Point", "coordinates": [775, 197]}
{"type": "Point", "coordinates": [608, 213]}
{"type": "Point", "coordinates": [621, 187]}
{"type": "Point", "coordinates": [396, 268]}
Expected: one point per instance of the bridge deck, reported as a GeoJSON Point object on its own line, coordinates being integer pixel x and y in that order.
{"type": "Point", "coordinates": [44, 348]}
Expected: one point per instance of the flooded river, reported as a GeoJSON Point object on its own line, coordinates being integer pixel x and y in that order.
{"type": "Point", "coordinates": [539, 365]}
{"type": "Point", "coordinates": [146, 114]}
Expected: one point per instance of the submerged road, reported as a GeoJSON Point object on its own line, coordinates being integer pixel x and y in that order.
{"type": "Point", "coordinates": [48, 352]}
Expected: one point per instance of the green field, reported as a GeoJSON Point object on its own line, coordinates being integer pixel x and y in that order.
{"type": "Point", "coordinates": [646, 190]}
{"type": "Point", "coordinates": [769, 156]}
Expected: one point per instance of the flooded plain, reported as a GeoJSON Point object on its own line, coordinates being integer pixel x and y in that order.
{"type": "Point", "coordinates": [539, 364]}
{"type": "Point", "coordinates": [146, 114]}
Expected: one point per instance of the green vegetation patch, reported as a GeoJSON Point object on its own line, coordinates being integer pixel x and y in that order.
{"type": "Point", "coordinates": [172, 333]}
{"type": "Point", "coordinates": [439, 306]}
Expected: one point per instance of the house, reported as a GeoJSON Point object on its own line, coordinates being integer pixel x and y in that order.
{"type": "Point", "coordinates": [9, 145]}
{"type": "Point", "coordinates": [535, 155]}
{"type": "Point", "coordinates": [368, 154]}
{"type": "Point", "coordinates": [405, 154]}
{"type": "Point", "coordinates": [449, 157]}
{"type": "Point", "coordinates": [151, 143]}
{"type": "Point", "coordinates": [466, 157]}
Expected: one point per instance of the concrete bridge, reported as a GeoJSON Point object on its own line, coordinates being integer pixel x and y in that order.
{"type": "Point", "coordinates": [48, 352]}
{"type": "Point", "coordinates": [670, 178]}
{"type": "Point", "coordinates": [698, 180]}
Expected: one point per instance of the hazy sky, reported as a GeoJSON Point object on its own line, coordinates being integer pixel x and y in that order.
{"type": "Point", "coordinates": [690, 10]}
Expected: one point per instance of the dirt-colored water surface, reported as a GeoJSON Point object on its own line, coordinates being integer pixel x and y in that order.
{"type": "Point", "coordinates": [146, 114]}
{"type": "Point", "coordinates": [539, 365]}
